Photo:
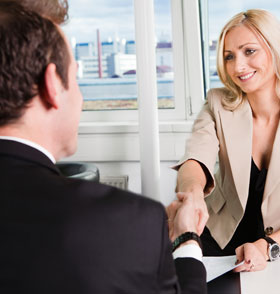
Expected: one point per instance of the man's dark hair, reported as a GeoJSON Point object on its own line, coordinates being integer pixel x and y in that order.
{"type": "Point", "coordinates": [28, 43]}
{"type": "Point", "coordinates": [55, 10]}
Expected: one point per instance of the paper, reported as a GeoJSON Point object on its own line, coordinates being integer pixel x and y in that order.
{"type": "Point", "coordinates": [218, 265]}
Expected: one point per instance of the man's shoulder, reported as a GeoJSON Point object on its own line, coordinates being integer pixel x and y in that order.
{"type": "Point", "coordinates": [94, 192]}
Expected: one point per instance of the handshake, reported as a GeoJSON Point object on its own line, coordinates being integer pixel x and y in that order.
{"type": "Point", "coordinates": [187, 217]}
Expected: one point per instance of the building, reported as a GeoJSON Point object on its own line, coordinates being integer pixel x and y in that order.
{"type": "Point", "coordinates": [84, 50]}
{"type": "Point", "coordinates": [120, 63]}
{"type": "Point", "coordinates": [90, 67]}
{"type": "Point", "coordinates": [164, 54]}
{"type": "Point", "coordinates": [130, 47]}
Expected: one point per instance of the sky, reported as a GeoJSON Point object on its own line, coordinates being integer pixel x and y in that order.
{"type": "Point", "coordinates": [220, 11]}
{"type": "Point", "coordinates": [114, 18]}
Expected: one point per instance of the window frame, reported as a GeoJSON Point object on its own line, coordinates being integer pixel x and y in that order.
{"type": "Point", "coordinates": [118, 130]}
{"type": "Point", "coordinates": [185, 21]}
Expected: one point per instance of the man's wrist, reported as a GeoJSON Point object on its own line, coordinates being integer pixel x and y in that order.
{"type": "Point", "coordinates": [188, 250]}
{"type": "Point", "coordinates": [185, 237]}
{"type": "Point", "coordinates": [189, 242]}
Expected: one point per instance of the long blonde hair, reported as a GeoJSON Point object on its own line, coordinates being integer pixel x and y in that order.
{"type": "Point", "coordinates": [267, 27]}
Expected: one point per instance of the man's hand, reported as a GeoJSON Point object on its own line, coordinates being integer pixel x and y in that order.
{"type": "Point", "coordinates": [199, 205]}
{"type": "Point", "coordinates": [184, 216]}
{"type": "Point", "coordinates": [254, 255]}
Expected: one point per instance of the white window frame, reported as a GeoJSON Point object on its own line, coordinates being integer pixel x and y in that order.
{"type": "Point", "coordinates": [118, 129]}
{"type": "Point", "coordinates": [185, 22]}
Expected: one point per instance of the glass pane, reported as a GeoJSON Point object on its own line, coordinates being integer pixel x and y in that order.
{"type": "Point", "coordinates": [103, 41]}
{"type": "Point", "coordinates": [218, 13]}
{"type": "Point", "coordinates": [102, 37]}
{"type": "Point", "coordinates": [164, 54]}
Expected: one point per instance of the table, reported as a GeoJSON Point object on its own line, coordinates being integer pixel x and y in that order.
{"type": "Point", "coordinates": [261, 282]}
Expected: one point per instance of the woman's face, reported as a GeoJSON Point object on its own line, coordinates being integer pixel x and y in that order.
{"type": "Point", "coordinates": [248, 60]}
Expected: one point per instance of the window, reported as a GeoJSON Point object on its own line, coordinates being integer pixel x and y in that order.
{"type": "Point", "coordinates": [102, 36]}
{"type": "Point", "coordinates": [112, 134]}
{"type": "Point", "coordinates": [103, 41]}
{"type": "Point", "coordinates": [215, 14]}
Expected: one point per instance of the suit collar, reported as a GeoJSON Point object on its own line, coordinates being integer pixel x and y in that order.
{"type": "Point", "coordinates": [25, 152]}
{"type": "Point", "coordinates": [237, 128]}
{"type": "Point", "coordinates": [272, 179]}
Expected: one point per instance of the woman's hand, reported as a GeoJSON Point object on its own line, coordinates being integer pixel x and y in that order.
{"type": "Point", "coordinates": [254, 254]}
{"type": "Point", "coordinates": [199, 204]}
{"type": "Point", "coordinates": [188, 213]}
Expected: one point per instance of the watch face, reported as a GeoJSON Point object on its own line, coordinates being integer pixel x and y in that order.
{"type": "Point", "coordinates": [274, 251]}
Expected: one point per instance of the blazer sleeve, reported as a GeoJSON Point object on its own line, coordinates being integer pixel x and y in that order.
{"type": "Point", "coordinates": [203, 144]}
{"type": "Point", "coordinates": [191, 272]}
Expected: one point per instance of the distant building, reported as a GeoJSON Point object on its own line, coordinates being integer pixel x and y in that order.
{"type": "Point", "coordinates": [120, 63]}
{"type": "Point", "coordinates": [130, 47]}
{"type": "Point", "coordinates": [108, 48]}
{"type": "Point", "coordinates": [164, 54]}
{"type": "Point", "coordinates": [90, 67]}
{"type": "Point", "coordinates": [84, 50]}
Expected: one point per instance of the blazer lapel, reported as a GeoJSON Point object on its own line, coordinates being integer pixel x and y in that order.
{"type": "Point", "coordinates": [273, 177]}
{"type": "Point", "coordinates": [237, 129]}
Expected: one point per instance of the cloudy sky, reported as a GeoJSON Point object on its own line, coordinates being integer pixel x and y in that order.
{"type": "Point", "coordinates": [222, 10]}
{"type": "Point", "coordinates": [114, 18]}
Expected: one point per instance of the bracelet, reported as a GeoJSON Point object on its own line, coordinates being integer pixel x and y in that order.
{"type": "Point", "coordinates": [186, 237]}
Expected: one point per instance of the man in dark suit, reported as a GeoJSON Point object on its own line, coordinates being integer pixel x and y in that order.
{"type": "Point", "coordinates": [61, 235]}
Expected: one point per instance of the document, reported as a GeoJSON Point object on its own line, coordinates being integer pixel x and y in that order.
{"type": "Point", "coordinates": [218, 265]}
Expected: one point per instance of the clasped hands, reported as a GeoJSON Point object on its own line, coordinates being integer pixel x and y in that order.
{"type": "Point", "coordinates": [189, 213]}
{"type": "Point", "coordinates": [186, 214]}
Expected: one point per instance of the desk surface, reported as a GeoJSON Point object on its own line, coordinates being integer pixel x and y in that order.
{"type": "Point", "coordinates": [266, 281]}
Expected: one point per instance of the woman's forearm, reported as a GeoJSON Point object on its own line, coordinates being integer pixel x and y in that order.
{"type": "Point", "coordinates": [191, 177]}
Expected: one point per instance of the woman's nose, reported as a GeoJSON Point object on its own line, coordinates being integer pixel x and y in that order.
{"type": "Point", "coordinates": [240, 65]}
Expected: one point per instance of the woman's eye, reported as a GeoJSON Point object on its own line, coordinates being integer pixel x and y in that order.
{"type": "Point", "coordinates": [250, 51]}
{"type": "Point", "coordinates": [228, 57]}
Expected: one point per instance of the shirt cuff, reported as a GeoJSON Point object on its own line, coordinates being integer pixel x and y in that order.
{"type": "Point", "coordinates": [189, 250]}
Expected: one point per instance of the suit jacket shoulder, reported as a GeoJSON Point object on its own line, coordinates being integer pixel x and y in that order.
{"type": "Point", "coordinates": [62, 235]}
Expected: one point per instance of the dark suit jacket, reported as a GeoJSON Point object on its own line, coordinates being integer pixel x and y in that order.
{"type": "Point", "coordinates": [60, 235]}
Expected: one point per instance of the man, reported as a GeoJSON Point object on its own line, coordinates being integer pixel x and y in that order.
{"type": "Point", "coordinates": [62, 235]}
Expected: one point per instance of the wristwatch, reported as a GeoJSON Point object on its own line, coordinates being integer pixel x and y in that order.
{"type": "Point", "coordinates": [273, 250]}
{"type": "Point", "coordinates": [184, 238]}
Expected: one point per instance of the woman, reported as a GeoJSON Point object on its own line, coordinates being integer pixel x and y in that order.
{"type": "Point", "coordinates": [239, 123]}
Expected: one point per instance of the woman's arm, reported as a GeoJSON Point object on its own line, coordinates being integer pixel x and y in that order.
{"type": "Point", "coordinates": [191, 183]}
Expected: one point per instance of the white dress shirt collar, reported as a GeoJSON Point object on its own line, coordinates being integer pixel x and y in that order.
{"type": "Point", "coordinates": [31, 144]}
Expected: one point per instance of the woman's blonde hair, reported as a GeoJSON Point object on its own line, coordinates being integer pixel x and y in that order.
{"type": "Point", "coordinates": [267, 27]}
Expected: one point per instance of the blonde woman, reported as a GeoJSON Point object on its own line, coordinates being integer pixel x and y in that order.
{"type": "Point", "coordinates": [239, 124]}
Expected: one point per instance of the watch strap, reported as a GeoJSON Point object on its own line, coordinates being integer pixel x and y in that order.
{"type": "Point", "coordinates": [269, 240]}
{"type": "Point", "coordinates": [184, 238]}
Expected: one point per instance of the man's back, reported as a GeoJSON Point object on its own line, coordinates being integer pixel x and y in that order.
{"type": "Point", "coordinates": [62, 235]}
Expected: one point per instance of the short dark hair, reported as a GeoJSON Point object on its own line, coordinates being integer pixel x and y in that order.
{"type": "Point", "coordinates": [55, 10]}
{"type": "Point", "coordinates": [28, 43]}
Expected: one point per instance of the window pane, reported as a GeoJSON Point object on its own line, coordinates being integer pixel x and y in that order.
{"type": "Point", "coordinates": [217, 14]}
{"type": "Point", "coordinates": [164, 54]}
{"type": "Point", "coordinates": [103, 42]}
{"type": "Point", "coordinates": [102, 37]}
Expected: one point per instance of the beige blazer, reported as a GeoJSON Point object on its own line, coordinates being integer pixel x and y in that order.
{"type": "Point", "coordinates": [228, 134]}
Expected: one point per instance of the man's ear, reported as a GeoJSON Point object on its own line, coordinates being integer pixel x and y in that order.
{"type": "Point", "coordinates": [52, 86]}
